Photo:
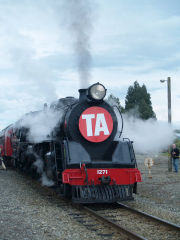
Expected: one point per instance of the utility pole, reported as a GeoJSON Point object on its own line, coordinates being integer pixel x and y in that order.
{"type": "Point", "coordinates": [169, 98]}
{"type": "Point", "coordinates": [169, 117]}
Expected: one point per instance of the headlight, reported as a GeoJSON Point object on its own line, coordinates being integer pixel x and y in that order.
{"type": "Point", "coordinates": [97, 91]}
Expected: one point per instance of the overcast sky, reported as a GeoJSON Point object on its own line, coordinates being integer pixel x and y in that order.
{"type": "Point", "coordinates": [126, 40]}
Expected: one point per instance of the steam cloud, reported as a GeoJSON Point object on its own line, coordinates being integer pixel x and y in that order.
{"type": "Point", "coordinates": [150, 136]}
{"type": "Point", "coordinates": [78, 18]}
{"type": "Point", "coordinates": [41, 124]}
{"type": "Point", "coordinates": [39, 165]}
{"type": "Point", "coordinates": [46, 181]}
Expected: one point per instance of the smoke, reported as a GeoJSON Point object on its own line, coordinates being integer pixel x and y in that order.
{"type": "Point", "coordinates": [40, 124]}
{"type": "Point", "coordinates": [78, 19]}
{"type": "Point", "coordinates": [150, 136]}
{"type": "Point", "coordinates": [39, 165]}
{"type": "Point", "coordinates": [113, 102]}
{"type": "Point", "coordinates": [46, 181]}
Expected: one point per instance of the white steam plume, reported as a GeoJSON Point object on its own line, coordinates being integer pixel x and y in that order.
{"type": "Point", "coordinates": [116, 109]}
{"type": "Point", "coordinates": [41, 124]}
{"type": "Point", "coordinates": [150, 136]}
{"type": "Point", "coordinates": [46, 181]}
{"type": "Point", "coordinates": [39, 165]}
{"type": "Point", "coordinates": [78, 19]}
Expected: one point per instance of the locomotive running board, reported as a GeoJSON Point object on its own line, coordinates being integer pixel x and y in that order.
{"type": "Point", "coordinates": [101, 193]}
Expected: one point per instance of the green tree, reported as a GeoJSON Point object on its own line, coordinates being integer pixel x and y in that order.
{"type": "Point", "coordinates": [138, 101]}
{"type": "Point", "coordinates": [115, 101]}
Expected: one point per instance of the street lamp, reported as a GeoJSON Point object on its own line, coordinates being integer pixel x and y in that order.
{"type": "Point", "coordinates": [169, 114]}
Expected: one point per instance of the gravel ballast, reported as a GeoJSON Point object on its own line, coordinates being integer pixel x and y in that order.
{"type": "Point", "coordinates": [29, 211]}
{"type": "Point", "coordinates": [159, 195]}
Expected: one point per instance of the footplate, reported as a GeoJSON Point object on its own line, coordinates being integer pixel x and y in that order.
{"type": "Point", "coordinates": [102, 193]}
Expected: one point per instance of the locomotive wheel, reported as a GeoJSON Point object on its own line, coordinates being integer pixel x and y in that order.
{"type": "Point", "coordinates": [135, 188]}
{"type": "Point", "coordinates": [51, 171]}
{"type": "Point", "coordinates": [14, 162]}
{"type": "Point", "coordinates": [20, 161]}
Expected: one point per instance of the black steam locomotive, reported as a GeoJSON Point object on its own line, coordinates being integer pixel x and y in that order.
{"type": "Point", "coordinates": [82, 154]}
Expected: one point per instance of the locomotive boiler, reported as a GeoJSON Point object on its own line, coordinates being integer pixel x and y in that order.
{"type": "Point", "coordinates": [82, 155]}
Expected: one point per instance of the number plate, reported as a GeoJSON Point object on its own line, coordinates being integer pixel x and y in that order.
{"type": "Point", "coordinates": [99, 171]}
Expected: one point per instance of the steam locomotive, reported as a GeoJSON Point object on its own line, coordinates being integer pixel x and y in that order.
{"type": "Point", "coordinates": [82, 155]}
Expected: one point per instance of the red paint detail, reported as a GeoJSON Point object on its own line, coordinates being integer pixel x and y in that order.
{"type": "Point", "coordinates": [6, 145]}
{"type": "Point", "coordinates": [83, 124]}
{"type": "Point", "coordinates": [119, 176]}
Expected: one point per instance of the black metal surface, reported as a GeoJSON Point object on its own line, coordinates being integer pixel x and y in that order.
{"type": "Point", "coordinates": [100, 150]}
{"type": "Point", "coordinates": [101, 193]}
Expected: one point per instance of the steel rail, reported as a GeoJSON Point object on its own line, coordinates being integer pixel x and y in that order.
{"type": "Point", "coordinates": [118, 227]}
{"type": "Point", "coordinates": [154, 218]}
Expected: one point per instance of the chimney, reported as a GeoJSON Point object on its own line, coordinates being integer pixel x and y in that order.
{"type": "Point", "coordinates": [82, 95]}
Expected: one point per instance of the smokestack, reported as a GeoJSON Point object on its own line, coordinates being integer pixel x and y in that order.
{"type": "Point", "coordinates": [82, 95]}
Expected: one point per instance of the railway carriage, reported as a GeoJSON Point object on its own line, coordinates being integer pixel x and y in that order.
{"type": "Point", "coordinates": [82, 155]}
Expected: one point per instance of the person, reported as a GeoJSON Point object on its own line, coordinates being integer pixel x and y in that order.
{"type": "Point", "coordinates": [175, 157]}
{"type": "Point", "coordinates": [1, 161]}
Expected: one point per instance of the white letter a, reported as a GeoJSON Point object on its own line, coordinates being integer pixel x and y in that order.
{"type": "Point", "coordinates": [101, 125]}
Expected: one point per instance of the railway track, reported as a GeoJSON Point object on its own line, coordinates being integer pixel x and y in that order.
{"type": "Point", "coordinates": [116, 221]}
{"type": "Point", "coordinates": [133, 223]}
